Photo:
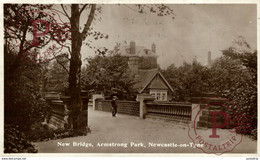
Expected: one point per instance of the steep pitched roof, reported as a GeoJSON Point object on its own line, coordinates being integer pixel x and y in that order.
{"type": "Point", "coordinates": [140, 51]}
{"type": "Point", "coordinates": [145, 77]}
{"type": "Point", "coordinates": [157, 83]}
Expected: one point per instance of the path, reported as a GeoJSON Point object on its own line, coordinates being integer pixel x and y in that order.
{"type": "Point", "coordinates": [127, 129]}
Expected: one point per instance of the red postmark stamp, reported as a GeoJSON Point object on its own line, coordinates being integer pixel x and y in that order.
{"type": "Point", "coordinates": [38, 34]}
{"type": "Point", "coordinates": [216, 125]}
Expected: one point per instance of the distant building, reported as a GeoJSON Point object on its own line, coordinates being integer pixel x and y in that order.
{"type": "Point", "coordinates": [142, 64]}
{"type": "Point", "coordinates": [209, 58]}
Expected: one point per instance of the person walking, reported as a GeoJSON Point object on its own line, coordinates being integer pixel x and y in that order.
{"type": "Point", "coordinates": [114, 106]}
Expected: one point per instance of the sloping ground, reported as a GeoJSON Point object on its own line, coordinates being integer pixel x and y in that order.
{"type": "Point", "coordinates": [126, 130]}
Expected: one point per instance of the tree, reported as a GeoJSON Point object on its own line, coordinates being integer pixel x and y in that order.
{"type": "Point", "coordinates": [234, 76]}
{"type": "Point", "coordinates": [187, 79]}
{"type": "Point", "coordinates": [105, 73]}
{"type": "Point", "coordinates": [24, 104]}
{"type": "Point", "coordinates": [77, 38]}
{"type": "Point", "coordinates": [242, 51]}
{"type": "Point", "coordinates": [57, 74]}
{"type": "Point", "coordinates": [19, 27]}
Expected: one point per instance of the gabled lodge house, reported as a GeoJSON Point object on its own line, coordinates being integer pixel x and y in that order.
{"type": "Point", "coordinates": [143, 66]}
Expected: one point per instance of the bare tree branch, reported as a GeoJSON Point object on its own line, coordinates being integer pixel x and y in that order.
{"type": "Point", "coordinates": [65, 11]}
{"type": "Point", "coordinates": [23, 39]}
{"type": "Point", "coordinates": [82, 9]}
{"type": "Point", "coordinates": [89, 21]}
{"type": "Point", "coordinates": [67, 71]}
{"type": "Point", "coordinates": [25, 50]}
{"type": "Point", "coordinates": [64, 46]}
{"type": "Point", "coordinates": [6, 37]}
{"type": "Point", "coordinates": [43, 44]}
{"type": "Point", "coordinates": [59, 12]}
{"type": "Point", "coordinates": [13, 35]}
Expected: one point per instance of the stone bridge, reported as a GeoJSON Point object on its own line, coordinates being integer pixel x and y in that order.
{"type": "Point", "coordinates": [130, 134]}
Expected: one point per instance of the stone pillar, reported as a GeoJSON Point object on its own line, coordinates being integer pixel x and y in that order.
{"type": "Point", "coordinates": [61, 115]}
{"type": "Point", "coordinates": [95, 97]}
{"type": "Point", "coordinates": [53, 99]}
{"type": "Point", "coordinates": [58, 114]}
{"type": "Point", "coordinates": [68, 117]}
{"type": "Point", "coordinates": [142, 98]}
{"type": "Point", "coordinates": [52, 96]}
{"type": "Point", "coordinates": [142, 109]}
{"type": "Point", "coordinates": [56, 117]}
{"type": "Point", "coordinates": [201, 109]}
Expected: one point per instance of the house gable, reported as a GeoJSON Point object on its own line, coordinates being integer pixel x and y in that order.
{"type": "Point", "coordinates": [158, 83]}
{"type": "Point", "coordinates": [159, 88]}
{"type": "Point", "coordinates": [155, 80]}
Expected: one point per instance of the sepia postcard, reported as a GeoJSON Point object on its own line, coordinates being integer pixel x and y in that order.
{"type": "Point", "coordinates": [121, 78]}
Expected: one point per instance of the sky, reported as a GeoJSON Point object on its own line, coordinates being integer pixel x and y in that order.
{"type": "Point", "coordinates": [195, 30]}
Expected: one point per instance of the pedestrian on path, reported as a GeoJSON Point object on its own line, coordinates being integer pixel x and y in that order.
{"type": "Point", "coordinates": [114, 106]}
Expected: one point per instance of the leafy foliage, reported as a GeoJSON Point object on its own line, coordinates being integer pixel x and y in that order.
{"type": "Point", "coordinates": [56, 74]}
{"type": "Point", "coordinates": [187, 80]}
{"type": "Point", "coordinates": [234, 76]}
{"type": "Point", "coordinates": [107, 73]}
{"type": "Point", "coordinates": [15, 141]}
{"type": "Point", "coordinates": [19, 28]}
{"type": "Point", "coordinates": [24, 104]}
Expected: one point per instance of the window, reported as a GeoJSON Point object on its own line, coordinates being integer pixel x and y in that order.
{"type": "Point", "coordinates": [164, 98]}
{"type": "Point", "coordinates": [159, 95]}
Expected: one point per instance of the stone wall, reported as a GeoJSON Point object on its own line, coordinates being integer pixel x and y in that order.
{"type": "Point", "coordinates": [57, 117]}
{"type": "Point", "coordinates": [172, 111]}
{"type": "Point", "coordinates": [60, 115]}
{"type": "Point", "coordinates": [123, 107]}
{"type": "Point", "coordinates": [196, 113]}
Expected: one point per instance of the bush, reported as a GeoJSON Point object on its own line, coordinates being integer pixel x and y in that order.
{"type": "Point", "coordinates": [236, 82]}
{"type": "Point", "coordinates": [43, 133]}
{"type": "Point", "coordinates": [24, 100]}
{"type": "Point", "coordinates": [16, 141]}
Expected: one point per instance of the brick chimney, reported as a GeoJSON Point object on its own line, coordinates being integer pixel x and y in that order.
{"type": "Point", "coordinates": [209, 58]}
{"type": "Point", "coordinates": [132, 47]}
{"type": "Point", "coordinates": [153, 48]}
